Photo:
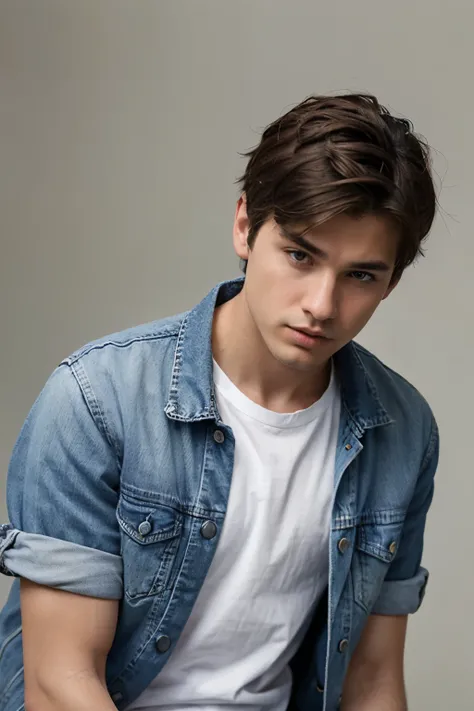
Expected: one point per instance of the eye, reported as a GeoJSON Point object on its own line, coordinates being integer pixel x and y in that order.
{"type": "Point", "coordinates": [297, 256]}
{"type": "Point", "coordinates": [364, 277]}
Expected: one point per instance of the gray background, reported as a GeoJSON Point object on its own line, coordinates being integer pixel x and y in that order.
{"type": "Point", "coordinates": [120, 126]}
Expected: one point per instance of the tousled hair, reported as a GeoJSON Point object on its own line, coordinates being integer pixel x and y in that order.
{"type": "Point", "coordinates": [333, 155]}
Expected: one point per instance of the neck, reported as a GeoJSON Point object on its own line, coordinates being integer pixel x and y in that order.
{"type": "Point", "coordinates": [242, 354]}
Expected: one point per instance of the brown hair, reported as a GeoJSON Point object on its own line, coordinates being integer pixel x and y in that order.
{"type": "Point", "coordinates": [342, 154]}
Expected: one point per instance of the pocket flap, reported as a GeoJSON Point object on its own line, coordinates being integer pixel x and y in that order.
{"type": "Point", "coordinates": [148, 524]}
{"type": "Point", "coordinates": [380, 540]}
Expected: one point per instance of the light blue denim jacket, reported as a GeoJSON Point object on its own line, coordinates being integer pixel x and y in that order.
{"type": "Point", "coordinates": [123, 458]}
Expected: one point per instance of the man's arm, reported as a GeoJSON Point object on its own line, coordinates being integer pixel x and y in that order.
{"type": "Point", "coordinates": [66, 639]}
{"type": "Point", "coordinates": [63, 542]}
{"type": "Point", "coordinates": [375, 679]}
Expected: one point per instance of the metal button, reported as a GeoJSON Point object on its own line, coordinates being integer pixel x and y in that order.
{"type": "Point", "coordinates": [393, 548]}
{"type": "Point", "coordinates": [219, 436]}
{"type": "Point", "coordinates": [163, 643]}
{"type": "Point", "coordinates": [208, 530]}
{"type": "Point", "coordinates": [144, 528]}
{"type": "Point", "coordinates": [348, 446]}
{"type": "Point", "coordinates": [343, 645]}
{"type": "Point", "coordinates": [343, 545]}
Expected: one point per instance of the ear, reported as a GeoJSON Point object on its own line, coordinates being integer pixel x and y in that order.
{"type": "Point", "coordinates": [241, 229]}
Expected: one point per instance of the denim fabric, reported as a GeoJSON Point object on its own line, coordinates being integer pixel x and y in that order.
{"type": "Point", "coordinates": [118, 466]}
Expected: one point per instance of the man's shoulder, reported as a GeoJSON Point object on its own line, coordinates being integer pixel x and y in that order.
{"type": "Point", "coordinates": [115, 371]}
{"type": "Point", "coordinates": [398, 395]}
{"type": "Point", "coordinates": [130, 341]}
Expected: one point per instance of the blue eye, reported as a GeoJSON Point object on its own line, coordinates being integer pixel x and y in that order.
{"type": "Point", "coordinates": [363, 276]}
{"type": "Point", "coordinates": [299, 257]}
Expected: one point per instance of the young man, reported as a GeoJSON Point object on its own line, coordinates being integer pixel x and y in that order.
{"type": "Point", "coordinates": [225, 509]}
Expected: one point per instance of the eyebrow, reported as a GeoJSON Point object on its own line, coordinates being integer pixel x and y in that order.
{"type": "Point", "coordinates": [375, 265]}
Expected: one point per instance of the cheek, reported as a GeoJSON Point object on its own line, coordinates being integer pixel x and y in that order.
{"type": "Point", "coordinates": [277, 286]}
{"type": "Point", "coordinates": [357, 309]}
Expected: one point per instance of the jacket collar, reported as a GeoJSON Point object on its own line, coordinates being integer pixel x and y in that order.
{"type": "Point", "coordinates": [191, 395]}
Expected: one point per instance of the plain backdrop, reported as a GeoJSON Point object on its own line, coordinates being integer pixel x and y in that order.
{"type": "Point", "coordinates": [121, 123]}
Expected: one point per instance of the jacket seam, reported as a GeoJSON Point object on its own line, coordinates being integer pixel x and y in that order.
{"type": "Point", "coordinates": [12, 681]}
{"type": "Point", "coordinates": [9, 639]}
{"type": "Point", "coordinates": [71, 360]}
{"type": "Point", "coordinates": [431, 446]}
{"type": "Point", "coordinates": [364, 352]}
{"type": "Point", "coordinates": [93, 405]}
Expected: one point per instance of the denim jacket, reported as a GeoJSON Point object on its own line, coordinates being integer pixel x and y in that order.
{"type": "Point", "coordinates": [124, 458]}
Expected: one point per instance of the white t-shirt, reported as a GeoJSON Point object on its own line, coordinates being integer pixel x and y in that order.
{"type": "Point", "coordinates": [271, 564]}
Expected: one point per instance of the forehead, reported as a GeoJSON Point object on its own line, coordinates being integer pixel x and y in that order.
{"type": "Point", "coordinates": [352, 238]}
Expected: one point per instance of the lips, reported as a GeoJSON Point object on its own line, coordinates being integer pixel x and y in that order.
{"type": "Point", "coordinates": [311, 334]}
{"type": "Point", "coordinates": [307, 338]}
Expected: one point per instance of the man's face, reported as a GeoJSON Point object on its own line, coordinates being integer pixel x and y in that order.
{"type": "Point", "coordinates": [310, 295]}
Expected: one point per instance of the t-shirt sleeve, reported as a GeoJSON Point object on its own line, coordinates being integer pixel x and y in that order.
{"type": "Point", "coordinates": [62, 493]}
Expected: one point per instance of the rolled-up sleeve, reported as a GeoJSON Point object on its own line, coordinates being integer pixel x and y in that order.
{"type": "Point", "coordinates": [62, 492]}
{"type": "Point", "coordinates": [405, 584]}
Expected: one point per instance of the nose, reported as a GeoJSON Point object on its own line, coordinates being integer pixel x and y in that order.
{"type": "Point", "coordinates": [320, 298]}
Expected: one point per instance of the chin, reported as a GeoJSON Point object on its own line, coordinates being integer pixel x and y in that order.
{"type": "Point", "coordinates": [302, 360]}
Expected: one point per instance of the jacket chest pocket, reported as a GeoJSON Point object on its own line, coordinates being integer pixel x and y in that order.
{"type": "Point", "coordinates": [376, 547]}
{"type": "Point", "coordinates": [151, 536]}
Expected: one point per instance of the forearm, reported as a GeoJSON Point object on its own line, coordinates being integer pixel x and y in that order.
{"type": "Point", "coordinates": [374, 694]}
{"type": "Point", "coordinates": [78, 691]}
{"type": "Point", "coordinates": [375, 677]}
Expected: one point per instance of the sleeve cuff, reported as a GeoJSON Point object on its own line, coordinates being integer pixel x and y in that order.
{"type": "Point", "coordinates": [60, 564]}
{"type": "Point", "coordinates": [402, 597]}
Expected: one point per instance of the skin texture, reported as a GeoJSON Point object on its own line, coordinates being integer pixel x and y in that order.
{"type": "Point", "coordinates": [375, 678]}
{"type": "Point", "coordinates": [66, 639]}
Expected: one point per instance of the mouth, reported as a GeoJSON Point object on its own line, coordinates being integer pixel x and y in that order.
{"type": "Point", "coordinates": [307, 337]}
{"type": "Point", "coordinates": [310, 333]}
